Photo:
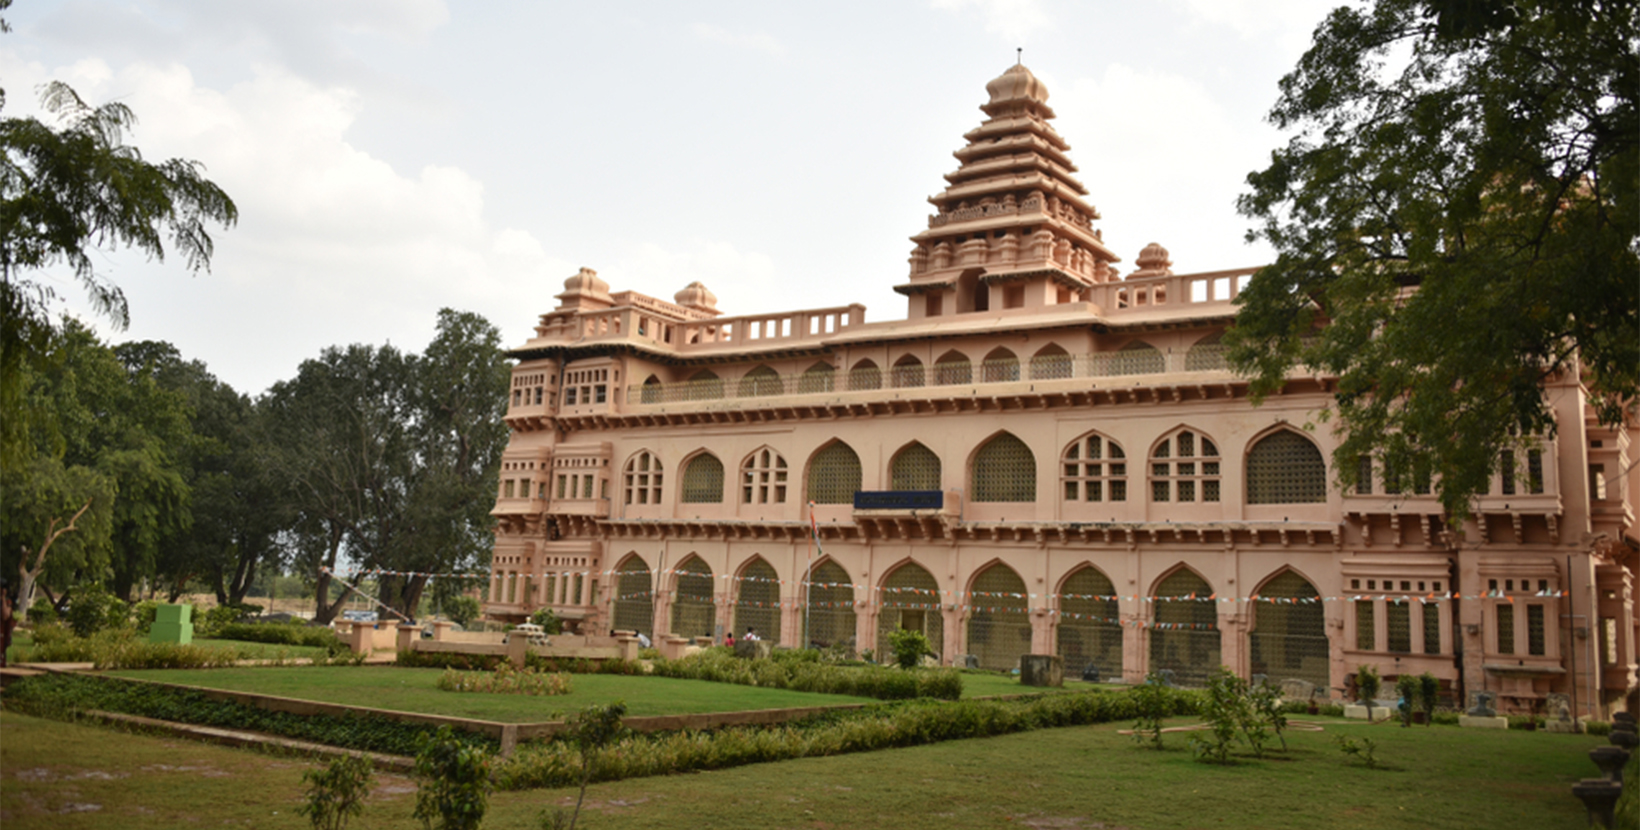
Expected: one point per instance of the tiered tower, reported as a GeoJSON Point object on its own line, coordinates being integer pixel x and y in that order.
{"type": "Point", "coordinates": [1013, 229]}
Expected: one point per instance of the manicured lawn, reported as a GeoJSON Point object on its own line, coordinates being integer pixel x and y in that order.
{"type": "Point", "coordinates": [62, 775]}
{"type": "Point", "coordinates": [263, 651]}
{"type": "Point", "coordinates": [986, 684]}
{"type": "Point", "coordinates": [415, 690]}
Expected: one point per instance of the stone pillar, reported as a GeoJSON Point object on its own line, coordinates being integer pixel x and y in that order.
{"type": "Point", "coordinates": [441, 630]}
{"type": "Point", "coordinates": [865, 626]}
{"type": "Point", "coordinates": [791, 622]}
{"type": "Point", "coordinates": [517, 647]}
{"type": "Point", "coordinates": [408, 632]}
{"type": "Point", "coordinates": [955, 633]}
{"type": "Point", "coordinates": [1135, 642]}
{"type": "Point", "coordinates": [1042, 632]}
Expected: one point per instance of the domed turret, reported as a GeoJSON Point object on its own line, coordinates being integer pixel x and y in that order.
{"type": "Point", "coordinates": [1017, 89]}
{"type": "Point", "coordinates": [1153, 262]}
{"type": "Point", "coordinates": [586, 291]}
{"type": "Point", "coordinates": [696, 297]}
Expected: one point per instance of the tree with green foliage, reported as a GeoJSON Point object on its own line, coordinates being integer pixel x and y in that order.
{"type": "Point", "coordinates": [337, 792]}
{"type": "Point", "coordinates": [592, 730]}
{"type": "Point", "coordinates": [67, 190]}
{"type": "Point", "coordinates": [910, 647]}
{"type": "Point", "coordinates": [1455, 226]}
{"type": "Point", "coordinates": [454, 782]}
{"type": "Point", "coordinates": [57, 519]}
{"type": "Point", "coordinates": [548, 620]}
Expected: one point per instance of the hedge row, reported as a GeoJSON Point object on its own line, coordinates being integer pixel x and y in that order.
{"type": "Point", "coordinates": [882, 726]}
{"type": "Point", "coordinates": [720, 666]}
{"type": "Point", "coordinates": [122, 648]}
{"type": "Point", "coordinates": [66, 697]}
{"type": "Point", "coordinates": [287, 634]}
{"type": "Point", "coordinates": [489, 662]}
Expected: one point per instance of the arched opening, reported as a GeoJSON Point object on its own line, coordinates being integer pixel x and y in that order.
{"type": "Point", "coordinates": [908, 373]}
{"type": "Point", "coordinates": [1004, 471]}
{"type": "Point", "coordinates": [865, 375]}
{"type": "Point", "coordinates": [972, 295]}
{"type": "Point", "coordinates": [634, 597]}
{"type": "Point", "coordinates": [915, 467]}
{"type": "Point", "coordinates": [953, 367]}
{"type": "Point", "coordinates": [828, 608]}
{"type": "Point", "coordinates": [999, 622]}
{"type": "Point", "coordinates": [1184, 467]}
{"type": "Point", "coordinates": [702, 480]}
{"type": "Point", "coordinates": [762, 382]}
{"type": "Point", "coordinates": [820, 377]}
{"type": "Point", "coordinates": [1050, 363]}
{"type": "Point", "coordinates": [1289, 636]}
{"type": "Point", "coordinates": [763, 478]}
{"type": "Point", "coordinates": [1000, 366]}
{"type": "Point", "coordinates": [643, 479]}
{"type": "Point", "coordinates": [693, 611]}
{"type": "Point", "coordinates": [834, 474]}
{"type": "Point", "coordinates": [1090, 629]}
{"type": "Point", "coordinates": [910, 600]}
{"type": "Point", "coordinates": [651, 390]}
{"type": "Point", "coordinates": [1184, 635]}
{"type": "Point", "coordinates": [704, 385]}
{"type": "Point", "coordinates": [1136, 358]}
{"type": "Point", "coordinates": [1285, 468]}
{"type": "Point", "coordinates": [1206, 354]}
{"type": "Point", "coordinates": [757, 601]}
{"type": "Point", "coordinates": [1094, 468]}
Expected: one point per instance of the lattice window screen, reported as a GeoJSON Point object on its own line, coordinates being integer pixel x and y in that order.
{"type": "Point", "coordinates": [1534, 630]}
{"type": "Point", "coordinates": [1432, 628]}
{"type": "Point", "coordinates": [1051, 365]}
{"type": "Point", "coordinates": [1506, 628]}
{"type": "Point", "coordinates": [915, 468]}
{"type": "Point", "coordinates": [693, 612]}
{"type": "Point", "coordinates": [999, 627]}
{"type": "Point", "coordinates": [651, 391]}
{"type": "Point", "coordinates": [819, 378]}
{"type": "Point", "coordinates": [829, 612]}
{"type": "Point", "coordinates": [757, 601]}
{"type": "Point", "coordinates": [1290, 639]}
{"type": "Point", "coordinates": [1185, 639]}
{"type": "Point", "coordinates": [704, 386]}
{"type": "Point", "coordinates": [1089, 631]}
{"type": "Point", "coordinates": [834, 475]}
{"type": "Point", "coordinates": [1398, 617]}
{"type": "Point", "coordinates": [1005, 471]}
{"type": "Point", "coordinates": [634, 598]}
{"type": "Point", "coordinates": [911, 599]}
{"type": "Point", "coordinates": [1137, 358]}
{"type": "Point", "coordinates": [1206, 355]}
{"type": "Point", "coordinates": [908, 373]}
{"type": "Point", "coordinates": [643, 479]}
{"type": "Point", "coordinates": [702, 480]}
{"type": "Point", "coordinates": [953, 369]}
{"type": "Point", "coordinates": [761, 382]}
{"type": "Point", "coordinates": [1094, 469]}
{"type": "Point", "coordinates": [1184, 468]}
{"type": "Point", "coordinates": [1285, 468]}
{"type": "Point", "coordinates": [1366, 628]}
{"type": "Point", "coordinates": [865, 375]}
{"type": "Point", "coordinates": [1000, 366]}
{"type": "Point", "coordinates": [763, 478]}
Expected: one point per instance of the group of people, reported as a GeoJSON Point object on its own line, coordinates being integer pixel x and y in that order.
{"type": "Point", "coordinates": [750, 637]}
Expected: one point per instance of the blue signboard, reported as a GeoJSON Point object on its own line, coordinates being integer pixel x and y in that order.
{"type": "Point", "coordinates": [899, 499]}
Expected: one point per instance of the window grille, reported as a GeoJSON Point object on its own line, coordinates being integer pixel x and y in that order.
{"type": "Point", "coordinates": [1089, 631]}
{"type": "Point", "coordinates": [820, 377]}
{"type": "Point", "coordinates": [1285, 468]}
{"type": "Point", "coordinates": [910, 600]}
{"type": "Point", "coordinates": [1506, 628]}
{"type": "Point", "coordinates": [999, 627]}
{"type": "Point", "coordinates": [834, 475]}
{"type": "Point", "coordinates": [1004, 471]}
{"type": "Point", "coordinates": [1136, 358]}
{"type": "Point", "coordinates": [643, 479]}
{"type": "Point", "coordinates": [507, 489]}
{"type": "Point", "coordinates": [1000, 366]}
{"type": "Point", "coordinates": [914, 468]}
{"type": "Point", "coordinates": [865, 375]}
{"type": "Point", "coordinates": [1534, 471]}
{"type": "Point", "coordinates": [763, 478]}
{"type": "Point", "coordinates": [693, 609]}
{"type": "Point", "coordinates": [704, 386]}
{"type": "Point", "coordinates": [1289, 639]}
{"type": "Point", "coordinates": [651, 391]}
{"type": "Point", "coordinates": [1534, 630]}
{"type": "Point", "coordinates": [1366, 628]}
{"type": "Point", "coordinates": [1432, 628]}
{"type": "Point", "coordinates": [1506, 472]}
{"type": "Point", "coordinates": [1185, 639]}
{"type": "Point", "coordinates": [953, 368]}
{"type": "Point", "coordinates": [829, 608]}
{"type": "Point", "coordinates": [1206, 355]}
{"type": "Point", "coordinates": [702, 480]}
{"type": "Point", "coordinates": [761, 382]}
{"type": "Point", "coordinates": [634, 598]}
{"type": "Point", "coordinates": [1094, 469]}
{"type": "Point", "coordinates": [1392, 479]}
{"type": "Point", "coordinates": [1398, 616]}
{"type": "Point", "coordinates": [757, 602]}
{"type": "Point", "coordinates": [1194, 473]}
{"type": "Point", "coordinates": [908, 373]}
{"type": "Point", "coordinates": [1051, 364]}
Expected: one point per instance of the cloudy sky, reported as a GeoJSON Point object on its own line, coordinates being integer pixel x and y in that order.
{"type": "Point", "coordinates": [392, 157]}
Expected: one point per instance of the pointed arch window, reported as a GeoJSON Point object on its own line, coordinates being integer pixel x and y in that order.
{"type": "Point", "coordinates": [953, 367]}
{"type": "Point", "coordinates": [820, 377]}
{"type": "Point", "coordinates": [1000, 366]}
{"type": "Point", "coordinates": [1285, 468]}
{"type": "Point", "coordinates": [1184, 467]}
{"type": "Point", "coordinates": [761, 382]}
{"type": "Point", "coordinates": [1051, 363]}
{"type": "Point", "coordinates": [834, 474]}
{"type": "Point", "coordinates": [1206, 355]}
{"type": "Point", "coordinates": [702, 480]}
{"type": "Point", "coordinates": [651, 390]}
{"type": "Point", "coordinates": [914, 468]}
{"type": "Point", "coordinates": [705, 385]}
{"type": "Point", "coordinates": [643, 479]}
{"type": "Point", "coordinates": [1004, 471]}
{"type": "Point", "coordinates": [763, 478]}
{"type": "Point", "coordinates": [908, 372]}
{"type": "Point", "coordinates": [865, 375]}
{"type": "Point", "coordinates": [1137, 358]}
{"type": "Point", "coordinates": [1094, 468]}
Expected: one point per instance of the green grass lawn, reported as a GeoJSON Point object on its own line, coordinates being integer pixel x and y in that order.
{"type": "Point", "coordinates": [415, 690]}
{"type": "Point", "coordinates": [263, 651]}
{"type": "Point", "coordinates": [988, 684]}
{"type": "Point", "coordinates": [62, 775]}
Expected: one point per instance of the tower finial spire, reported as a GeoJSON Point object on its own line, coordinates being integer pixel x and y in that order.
{"type": "Point", "coordinates": [1019, 55]}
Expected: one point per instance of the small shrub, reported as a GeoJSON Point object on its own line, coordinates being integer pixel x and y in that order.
{"type": "Point", "coordinates": [144, 613]}
{"type": "Point", "coordinates": [1153, 703]}
{"type": "Point", "coordinates": [1224, 709]}
{"type": "Point", "coordinates": [548, 621]}
{"type": "Point", "coordinates": [287, 634]}
{"type": "Point", "coordinates": [909, 646]}
{"type": "Point", "coordinates": [592, 730]}
{"type": "Point", "coordinates": [1407, 687]}
{"type": "Point", "coordinates": [453, 790]}
{"type": "Point", "coordinates": [1333, 710]}
{"type": "Point", "coordinates": [337, 792]}
{"type": "Point", "coordinates": [1362, 749]}
{"type": "Point", "coordinates": [42, 612]}
{"type": "Point", "coordinates": [92, 609]}
{"type": "Point", "coordinates": [1600, 727]}
{"type": "Point", "coordinates": [1264, 705]}
{"type": "Point", "coordinates": [462, 610]}
{"type": "Point", "coordinates": [1429, 694]}
{"type": "Point", "coordinates": [506, 680]}
{"type": "Point", "coordinates": [1366, 686]}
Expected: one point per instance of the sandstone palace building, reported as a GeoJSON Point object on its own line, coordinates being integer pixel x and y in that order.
{"type": "Point", "coordinates": [1047, 455]}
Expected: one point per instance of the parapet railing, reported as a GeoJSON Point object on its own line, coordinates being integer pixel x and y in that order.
{"type": "Point", "coordinates": [1207, 357]}
{"type": "Point", "coordinates": [642, 323]}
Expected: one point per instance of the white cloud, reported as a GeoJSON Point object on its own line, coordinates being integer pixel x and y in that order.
{"type": "Point", "coordinates": [1287, 22]}
{"type": "Point", "coordinates": [755, 41]}
{"type": "Point", "coordinates": [1014, 20]}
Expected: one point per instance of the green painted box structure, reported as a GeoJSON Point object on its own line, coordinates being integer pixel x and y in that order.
{"type": "Point", "coordinates": [172, 624]}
